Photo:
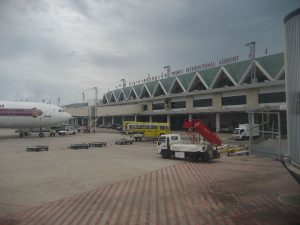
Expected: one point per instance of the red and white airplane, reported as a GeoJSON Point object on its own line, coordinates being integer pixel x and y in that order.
{"type": "Point", "coordinates": [26, 115]}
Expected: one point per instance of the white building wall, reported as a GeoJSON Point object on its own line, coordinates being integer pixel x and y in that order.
{"type": "Point", "coordinates": [292, 65]}
{"type": "Point", "coordinates": [118, 110]}
{"type": "Point", "coordinates": [78, 112]}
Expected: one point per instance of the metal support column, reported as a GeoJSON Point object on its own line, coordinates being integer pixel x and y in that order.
{"type": "Point", "coordinates": [252, 57]}
{"type": "Point", "coordinates": [218, 122]}
{"type": "Point", "coordinates": [112, 120]}
{"type": "Point", "coordinates": [279, 135]}
{"type": "Point", "coordinates": [250, 117]}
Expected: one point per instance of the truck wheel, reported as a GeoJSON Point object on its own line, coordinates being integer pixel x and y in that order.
{"type": "Point", "coordinates": [194, 157]}
{"type": "Point", "coordinates": [21, 134]}
{"type": "Point", "coordinates": [207, 157]}
{"type": "Point", "coordinates": [41, 134]}
{"type": "Point", "coordinates": [165, 154]}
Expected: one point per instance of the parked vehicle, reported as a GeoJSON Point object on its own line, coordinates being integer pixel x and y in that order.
{"type": "Point", "coordinates": [68, 131]}
{"type": "Point", "coordinates": [205, 148]}
{"type": "Point", "coordinates": [126, 139]}
{"type": "Point", "coordinates": [136, 136]}
{"type": "Point", "coordinates": [41, 131]}
{"type": "Point", "coordinates": [114, 126]}
{"type": "Point", "coordinates": [243, 131]}
{"type": "Point", "coordinates": [170, 145]}
{"type": "Point", "coordinates": [119, 128]}
{"type": "Point", "coordinates": [149, 130]}
{"type": "Point", "coordinates": [108, 125]}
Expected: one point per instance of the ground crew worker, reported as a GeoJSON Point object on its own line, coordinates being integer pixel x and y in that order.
{"type": "Point", "coordinates": [52, 133]}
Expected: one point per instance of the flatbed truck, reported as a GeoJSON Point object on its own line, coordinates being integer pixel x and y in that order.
{"type": "Point", "coordinates": [171, 146]}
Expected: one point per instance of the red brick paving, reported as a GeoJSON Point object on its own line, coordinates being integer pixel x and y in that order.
{"type": "Point", "coordinates": [237, 190]}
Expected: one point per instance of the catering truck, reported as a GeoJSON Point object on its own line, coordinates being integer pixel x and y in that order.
{"type": "Point", "coordinates": [204, 148]}
{"type": "Point", "coordinates": [243, 132]}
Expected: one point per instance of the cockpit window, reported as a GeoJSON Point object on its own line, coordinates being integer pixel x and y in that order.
{"type": "Point", "coordinates": [60, 110]}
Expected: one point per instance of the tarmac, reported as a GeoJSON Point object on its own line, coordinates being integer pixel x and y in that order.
{"type": "Point", "coordinates": [131, 184]}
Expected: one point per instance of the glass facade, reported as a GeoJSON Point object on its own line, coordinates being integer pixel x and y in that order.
{"type": "Point", "coordinates": [158, 106]}
{"type": "Point", "coordinates": [234, 100]}
{"type": "Point", "coordinates": [207, 102]}
{"type": "Point", "coordinates": [271, 97]}
{"type": "Point", "coordinates": [178, 105]}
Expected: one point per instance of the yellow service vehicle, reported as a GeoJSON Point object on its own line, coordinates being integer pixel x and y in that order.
{"type": "Point", "coordinates": [149, 130]}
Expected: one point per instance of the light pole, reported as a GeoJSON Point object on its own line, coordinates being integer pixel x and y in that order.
{"type": "Point", "coordinates": [83, 97]}
{"type": "Point", "coordinates": [168, 68]}
{"type": "Point", "coordinates": [123, 82]}
{"type": "Point", "coordinates": [252, 57]}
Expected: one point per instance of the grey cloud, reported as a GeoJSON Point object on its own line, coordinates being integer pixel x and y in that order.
{"type": "Point", "coordinates": [51, 48]}
{"type": "Point", "coordinates": [103, 59]}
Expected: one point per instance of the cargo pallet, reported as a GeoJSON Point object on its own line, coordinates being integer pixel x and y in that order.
{"type": "Point", "coordinates": [123, 142]}
{"type": "Point", "coordinates": [37, 148]}
{"type": "Point", "coordinates": [79, 146]}
{"type": "Point", "coordinates": [97, 144]}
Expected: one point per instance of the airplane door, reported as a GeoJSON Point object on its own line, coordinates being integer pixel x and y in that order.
{"type": "Point", "coordinates": [10, 114]}
{"type": "Point", "coordinates": [46, 115]}
{"type": "Point", "coordinates": [47, 112]}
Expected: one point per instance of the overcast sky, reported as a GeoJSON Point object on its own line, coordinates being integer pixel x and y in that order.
{"type": "Point", "coordinates": [51, 49]}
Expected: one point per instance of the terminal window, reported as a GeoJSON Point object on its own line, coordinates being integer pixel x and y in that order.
{"type": "Point", "coordinates": [203, 102]}
{"type": "Point", "coordinates": [158, 106]}
{"type": "Point", "coordinates": [178, 105]}
{"type": "Point", "coordinates": [145, 107]}
{"type": "Point", "coordinates": [234, 100]}
{"type": "Point", "coordinates": [271, 97]}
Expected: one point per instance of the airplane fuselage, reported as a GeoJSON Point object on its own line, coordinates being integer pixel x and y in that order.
{"type": "Point", "coordinates": [30, 115]}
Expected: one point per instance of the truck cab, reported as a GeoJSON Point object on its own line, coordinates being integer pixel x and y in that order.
{"type": "Point", "coordinates": [239, 134]}
{"type": "Point", "coordinates": [243, 131]}
{"type": "Point", "coordinates": [166, 139]}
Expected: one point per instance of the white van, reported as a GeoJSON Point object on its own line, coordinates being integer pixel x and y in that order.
{"type": "Point", "coordinates": [243, 132]}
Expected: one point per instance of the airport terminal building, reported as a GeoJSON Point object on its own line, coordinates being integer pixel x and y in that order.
{"type": "Point", "coordinates": [219, 95]}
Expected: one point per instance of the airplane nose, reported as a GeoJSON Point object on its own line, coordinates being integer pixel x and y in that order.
{"type": "Point", "coordinates": [68, 116]}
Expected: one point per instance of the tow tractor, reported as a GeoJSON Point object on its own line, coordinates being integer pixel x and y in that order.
{"type": "Point", "coordinates": [203, 143]}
